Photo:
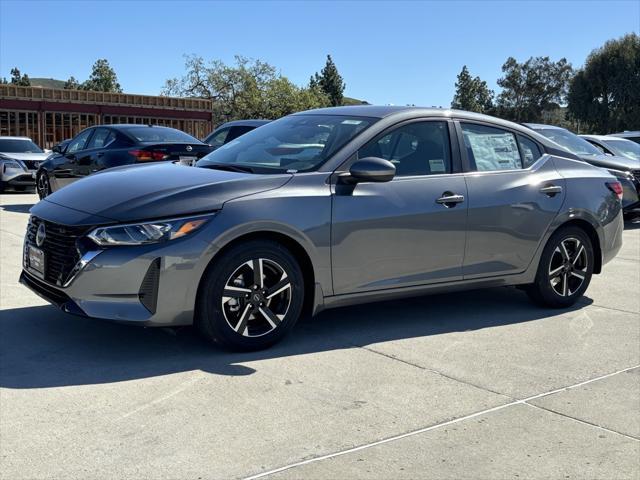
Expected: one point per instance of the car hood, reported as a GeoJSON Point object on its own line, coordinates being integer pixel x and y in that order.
{"type": "Point", "coordinates": [612, 162]}
{"type": "Point", "coordinates": [138, 192]}
{"type": "Point", "coordinates": [24, 156]}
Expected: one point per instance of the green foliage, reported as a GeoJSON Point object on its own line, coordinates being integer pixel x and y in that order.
{"type": "Point", "coordinates": [248, 89]}
{"type": "Point", "coordinates": [71, 84]}
{"type": "Point", "coordinates": [605, 94]}
{"type": "Point", "coordinates": [532, 87]}
{"type": "Point", "coordinates": [472, 94]}
{"type": "Point", "coordinates": [103, 78]}
{"type": "Point", "coordinates": [330, 82]}
{"type": "Point", "coordinates": [19, 79]}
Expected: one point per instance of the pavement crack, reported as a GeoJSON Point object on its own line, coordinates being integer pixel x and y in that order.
{"type": "Point", "coordinates": [437, 372]}
{"type": "Point", "coordinates": [585, 422]}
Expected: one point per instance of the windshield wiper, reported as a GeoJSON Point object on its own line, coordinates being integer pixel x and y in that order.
{"type": "Point", "coordinates": [229, 167]}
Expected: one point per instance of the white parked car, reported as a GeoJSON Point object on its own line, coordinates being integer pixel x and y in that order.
{"type": "Point", "coordinates": [20, 158]}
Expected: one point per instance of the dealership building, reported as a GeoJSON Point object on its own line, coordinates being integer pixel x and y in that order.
{"type": "Point", "coordinates": [50, 115]}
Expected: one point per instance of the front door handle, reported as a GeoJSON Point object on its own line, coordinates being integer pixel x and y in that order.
{"type": "Point", "coordinates": [551, 190]}
{"type": "Point", "coordinates": [449, 199]}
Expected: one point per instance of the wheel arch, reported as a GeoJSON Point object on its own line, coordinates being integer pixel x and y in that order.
{"type": "Point", "coordinates": [591, 231]}
{"type": "Point", "coordinates": [311, 291]}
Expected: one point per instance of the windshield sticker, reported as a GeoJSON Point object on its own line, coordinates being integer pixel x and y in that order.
{"type": "Point", "coordinates": [437, 165]}
{"type": "Point", "coordinates": [351, 122]}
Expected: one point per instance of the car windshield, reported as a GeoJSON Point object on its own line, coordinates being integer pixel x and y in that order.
{"type": "Point", "coordinates": [570, 141]}
{"type": "Point", "coordinates": [160, 134]}
{"type": "Point", "coordinates": [626, 148]}
{"type": "Point", "coordinates": [298, 143]}
{"type": "Point", "coordinates": [17, 145]}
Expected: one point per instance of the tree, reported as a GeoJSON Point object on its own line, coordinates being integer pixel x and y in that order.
{"type": "Point", "coordinates": [248, 89]}
{"type": "Point", "coordinates": [72, 84]}
{"type": "Point", "coordinates": [472, 94]}
{"type": "Point", "coordinates": [103, 78]}
{"type": "Point", "coordinates": [330, 82]}
{"type": "Point", "coordinates": [605, 94]}
{"type": "Point", "coordinates": [532, 87]}
{"type": "Point", "coordinates": [18, 79]}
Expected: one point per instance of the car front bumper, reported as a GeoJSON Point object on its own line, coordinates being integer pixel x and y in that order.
{"type": "Point", "coordinates": [148, 285]}
{"type": "Point", "coordinates": [18, 177]}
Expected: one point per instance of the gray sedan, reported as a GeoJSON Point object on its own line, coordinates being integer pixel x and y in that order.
{"type": "Point", "coordinates": [398, 202]}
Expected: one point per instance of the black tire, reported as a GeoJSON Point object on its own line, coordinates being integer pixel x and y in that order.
{"type": "Point", "coordinates": [43, 186]}
{"type": "Point", "coordinates": [558, 283]}
{"type": "Point", "coordinates": [231, 273]}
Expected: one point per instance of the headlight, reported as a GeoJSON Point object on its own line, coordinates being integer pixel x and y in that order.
{"type": "Point", "coordinates": [12, 164]}
{"type": "Point", "coordinates": [148, 232]}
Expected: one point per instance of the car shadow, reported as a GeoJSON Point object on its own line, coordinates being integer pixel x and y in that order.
{"type": "Point", "coordinates": [43, 347]}
{"type": "Point", "coordinates": [17, 207]}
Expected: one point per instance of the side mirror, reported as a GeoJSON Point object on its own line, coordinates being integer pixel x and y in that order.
{"type": "Point", "coordinates": [371, 169]}
{"type": "Point", "coordinates": [60, 148]}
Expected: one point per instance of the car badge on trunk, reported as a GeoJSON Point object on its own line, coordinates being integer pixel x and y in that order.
{"type": "Point", "coordinates": [189, 148]}
{"type": "Point", "coordinates": [41, 234]}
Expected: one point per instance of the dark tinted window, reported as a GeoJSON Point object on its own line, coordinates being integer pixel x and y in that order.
{"type": "Point", "coordinates": [235, 132]}
{"type": "Point", "coordinates": [570, 141]}
{"type": "Point", "coordinates": [491, 148]}
{"type": "Point", "coordinates": [16, 145]}
{"type": "Point", "coordinates": [101, 138]}
{"type": "Point", "coordinates": [530, 151]}
{"type": "Point", "coordinates": [420, 148]}
{"type": "Point", "coordinates": [160, 134]}
{"type": "Point", "coordinates": [79, 142]}
{"type": "Point", "coordinates": [296, 142]}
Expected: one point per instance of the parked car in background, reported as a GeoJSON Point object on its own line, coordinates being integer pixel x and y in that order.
{"type": "Point", "coordinates": [634, 136]}
{"type": "Point", "coordinates": [400, 202]}
{"type": "Point", "coordinates": [106, 146]}
{"type": "Point", "coordinates": [20, 158]}
{"type": "Point", "coordinates": [626, 170]}
{"type": "Point", "coordinates": [615, 146]}
{"type": "Point", "coordinates": [232, 130]}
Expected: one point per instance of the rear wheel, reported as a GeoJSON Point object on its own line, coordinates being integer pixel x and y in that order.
{"type": "Point", "coordinates": [565, 269]}
{"type": "Point", "coordinates": [251, 296]}
{"type": "Point", "coordinates": [43, 187]}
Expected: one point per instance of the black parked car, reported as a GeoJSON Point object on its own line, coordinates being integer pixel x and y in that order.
{"type": "Point", "coordinates": [106, 146]}
{"type": "Point", "coordinates": [232, 130]}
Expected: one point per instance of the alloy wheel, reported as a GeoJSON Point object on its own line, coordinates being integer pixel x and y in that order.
{"type": "Point", "coordinates": [256, 297]}
{"type": "Point", "coordinates": [43, 185]}
{"type": "Point", "coordinates": [568, 267]}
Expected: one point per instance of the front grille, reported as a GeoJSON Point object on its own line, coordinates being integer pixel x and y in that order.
{"type": "Point", "coordinates": [60, 248]}
{"type": "Point", "coordinates": [31, 164]}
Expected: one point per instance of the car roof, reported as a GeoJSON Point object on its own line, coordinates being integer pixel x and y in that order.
{"type": "Point", "coordinates": [125, 126]}
{"type": "Point", "coordinates": [540, 126]}
{"type": "Point", "coordinates": [596, 137]}
{"type": "Point", "coordinates": [245, 123]}
{"type": "Point", "coordinates": [385, 111]}
{"type": "Point", "coordinates": [9, 137]}
{"type": "Point", "coordinates": [634, 134]}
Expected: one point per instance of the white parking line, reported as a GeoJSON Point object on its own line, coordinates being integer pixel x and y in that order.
{"type": "Point", "coordinates": [438, 425]}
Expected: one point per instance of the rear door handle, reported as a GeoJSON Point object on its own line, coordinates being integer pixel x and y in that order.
{"type": "Point", "coordinates": [551, 190]}
{"type": "Point", "coordinates": [450, 198]}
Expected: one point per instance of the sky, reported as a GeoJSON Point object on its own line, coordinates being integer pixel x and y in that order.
{"type": "Point", "coordinates": [388, 52]}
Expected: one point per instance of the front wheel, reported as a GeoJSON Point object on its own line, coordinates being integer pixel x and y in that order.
{"type": "Point", "coordinates": [43, 187]}
{"type": "Point", "coordinates": [251, 296]}
{"type": "Point", "coordinates": [565, 269]}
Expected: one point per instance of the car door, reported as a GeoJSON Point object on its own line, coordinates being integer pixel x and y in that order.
{"type": "Point", "coordinates": [68, 168]}
{"type": "Point", "coordinates": [514, 192]}
{"type": "Point", "coordinates": [402, 233]}
{"type": "Point", "coordinates": [94, 152]}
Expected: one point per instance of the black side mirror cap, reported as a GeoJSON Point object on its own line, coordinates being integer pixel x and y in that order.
{"type": "Point", "coordinates": [370, 169]}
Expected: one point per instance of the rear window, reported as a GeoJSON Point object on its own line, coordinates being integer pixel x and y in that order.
{"type": "Point", "coordinates": [160, 134]}
{"type": "Point", "coordinates": [16, 145]}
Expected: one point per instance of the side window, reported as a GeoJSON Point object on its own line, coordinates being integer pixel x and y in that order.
{"type": "Point", "coordinates": [235, 132]}
{"type": "Point", "coordinates": [530, 151]}
{"type": "Point", "coordinates": [101, 138]}
{"type": "Point", "coordinates": [218, 139]}
{"type": "Point", "coordinates": [79, 142]}
{"type": "Point", "coordinates": [491, 148]}
{"type": "Point", "coordinates": [420, 148]}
